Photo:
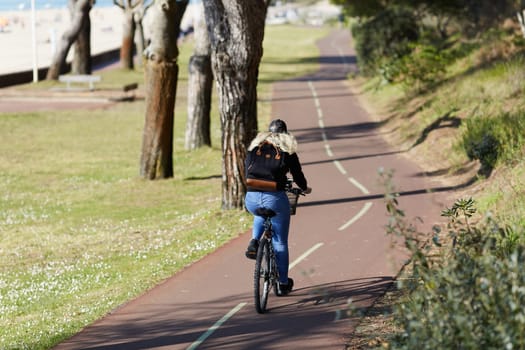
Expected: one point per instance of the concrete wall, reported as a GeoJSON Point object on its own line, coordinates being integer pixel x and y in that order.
{"type": "Point", "coordinates": [99, 61]}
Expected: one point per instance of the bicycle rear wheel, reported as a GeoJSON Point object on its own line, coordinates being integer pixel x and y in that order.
{"type": "Point", "coordinates": [261, 277]}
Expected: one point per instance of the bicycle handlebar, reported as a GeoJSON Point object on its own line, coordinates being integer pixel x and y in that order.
{"type": "Point", "coordinates": [296, 190]}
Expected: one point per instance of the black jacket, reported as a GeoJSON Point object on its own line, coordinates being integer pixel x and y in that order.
{"type": "Point", "coordinates": [285, 145]}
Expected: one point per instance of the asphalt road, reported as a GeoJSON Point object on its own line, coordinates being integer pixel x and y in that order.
{"type": "Point", "coordinates": [338, 247]}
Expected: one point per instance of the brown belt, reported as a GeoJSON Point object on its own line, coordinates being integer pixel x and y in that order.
{"type": "Point", "coordinates": [262, 185]}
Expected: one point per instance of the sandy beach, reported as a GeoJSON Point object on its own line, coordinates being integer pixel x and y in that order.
{"type": "Point", "coordinates": [16, 36]}
{"type": "Point", "coordinates": [106, 30]}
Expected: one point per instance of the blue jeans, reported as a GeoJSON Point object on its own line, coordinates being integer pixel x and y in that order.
{"type": "Point", "coordinates": [278, 202]}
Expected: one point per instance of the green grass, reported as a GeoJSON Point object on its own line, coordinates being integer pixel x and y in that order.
{"type": "Point", "coordinates": [484, 84]}
{"type": "Point", "coordinates": [81, 232]}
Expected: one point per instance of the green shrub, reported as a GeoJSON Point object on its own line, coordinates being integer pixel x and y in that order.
{"type": "Point", "coordinates": [383, 38]}
{"type": "Point", "coordinates": [481, 142]}
{"type": "Point", "coordinates": [473, 302]}
{"type": "Point", "coordinates": [469, 295]}
{"type": "Point", "coordinates": [425, 65]}
{"type": "Point", "coordinates": [490, 139]}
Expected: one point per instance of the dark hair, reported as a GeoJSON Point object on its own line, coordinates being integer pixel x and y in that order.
{"type": "Point", "coordinates": [278, 126]}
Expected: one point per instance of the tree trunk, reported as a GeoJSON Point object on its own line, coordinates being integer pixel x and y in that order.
{"type": "Point", "coordinates": [521, 21]}
{"type": "Point", "coordinates": [82, 63]}
{"type": "Point", "coordinates": [161, 73]}
{"type": "Point", "coordinates": [128, 36]}
{"type": "Point", "coordinates": [200, 84]}
{"type": "Point", "coordinates": [81, 10]}
{"type": "Point", "coordinates": [138, 16]}
{"type": "Point", "coordinates": [157, 144]}
{"type": "Point", "coordinates": [130, 9]}
{"type": "Point", "coordinates": [236, 31]}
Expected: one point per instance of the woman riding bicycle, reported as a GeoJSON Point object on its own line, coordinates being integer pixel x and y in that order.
{"type": "Point", "coordinates": [271, 155]}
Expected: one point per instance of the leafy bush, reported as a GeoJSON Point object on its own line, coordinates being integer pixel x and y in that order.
{"type": "Point", "coordinates": [396, 46]}
{"type": "Point", "coordinates": [383, 38]}
{"type": "Point", "coordinates": [425, 65]}
{"type": "Point", "coordinates": [466, 296]}
{"type": "Point", "coordinates": [489, 139]}
{"type": "Point", "coordinates": [481, 142]}
{"type": "Point", "coordinates": [473, 302]}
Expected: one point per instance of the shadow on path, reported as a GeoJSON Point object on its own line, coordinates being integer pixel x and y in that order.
{"type": "Point", "coordinates": [381, 195]}
{"type": "Point", "coordinates": [311, 310]}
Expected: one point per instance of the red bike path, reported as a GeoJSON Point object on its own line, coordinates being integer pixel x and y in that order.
{"type": "Point", "coordinates": [338, 247]}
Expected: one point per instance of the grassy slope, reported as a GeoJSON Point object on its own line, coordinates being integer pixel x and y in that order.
{"type": "Point", "coordinates": [478, 85]}
{"type": "Point", "coordinates": [81, 232]}
{"type": "Point", "coordinates": [488, 82]}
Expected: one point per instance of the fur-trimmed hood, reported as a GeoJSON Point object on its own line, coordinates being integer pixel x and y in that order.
{"type": "Point", "coordinates": [285, 142]}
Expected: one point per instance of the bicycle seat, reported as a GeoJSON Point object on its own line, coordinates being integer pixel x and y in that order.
{"type": "Point", "coordinates": [265, 212]}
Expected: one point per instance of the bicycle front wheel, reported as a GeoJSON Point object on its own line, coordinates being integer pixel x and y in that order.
{"type": "Point", "coordinates": [261, 277]}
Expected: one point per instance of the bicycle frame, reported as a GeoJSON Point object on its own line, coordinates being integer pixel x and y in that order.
{"type": "Point", "coordinates": [274, 272]}
{"type": "Point", "coordinates": [266, 275]}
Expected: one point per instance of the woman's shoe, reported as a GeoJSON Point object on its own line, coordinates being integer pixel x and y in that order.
{"type": "Point", "coordinates": [285, 289]}
{"type": "Point", "coordinates": [251, 251]}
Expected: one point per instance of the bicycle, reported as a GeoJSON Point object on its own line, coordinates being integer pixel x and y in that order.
{"type": "Point", "coordinates": [266, 274]}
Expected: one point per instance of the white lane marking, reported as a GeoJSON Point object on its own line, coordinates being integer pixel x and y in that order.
{"type": "Point", "coordinates": [328, 150]}
{"type": "Point", "coordinates": [314, 92]}
{"type": "Point", "coordinates": [340, 167]}
{"type": "Point", "coordinates": [337, 163]}
{"type": "Point", "coordinates": [358, 185]}
{"type": "Point", "coordinates": [213, 328]}
{"type": "Point", "coordinates": [341, 54]}
{"type": "Point", "coordinates": [233, 311]}
{"type": "Point", "coordinates": [343, 58]}
{"type": "Point", "coordinates": [362, 212]}
{"type": "Point", "coordinates": [305, 254]}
